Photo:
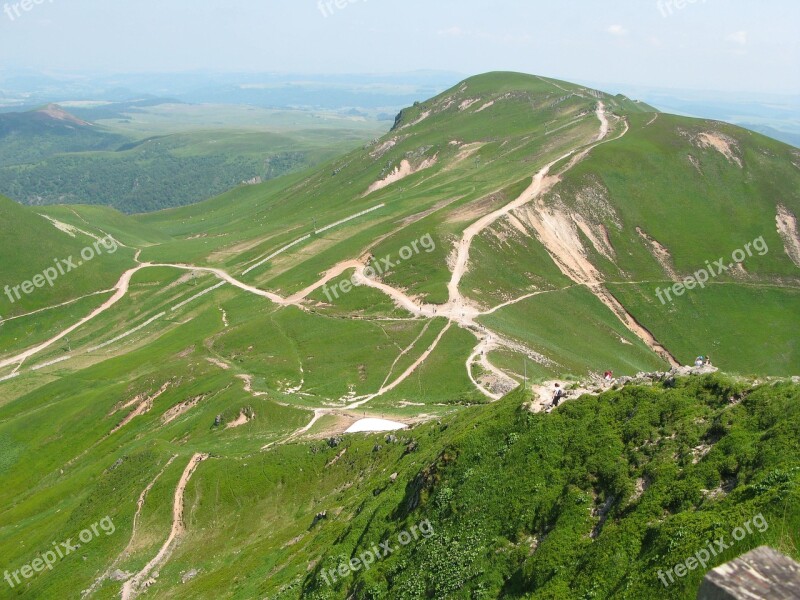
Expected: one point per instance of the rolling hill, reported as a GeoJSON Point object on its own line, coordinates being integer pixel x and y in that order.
{"type": "Point", "coordinates": [509, 233]}
{"type": "Point", "coordinates": [50, 156]}
{"type": "Point", "coordinates": [31, 136]}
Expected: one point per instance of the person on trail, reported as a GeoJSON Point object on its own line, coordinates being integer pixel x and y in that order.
{"type": "Point", "coordinates": [608, 376]}
{"type": "Point", "coordinates": [708, 361]}
{"type": "Point", "coordinates": [699, 361]}
{"type": "Point", "coordinates": [558, 395]}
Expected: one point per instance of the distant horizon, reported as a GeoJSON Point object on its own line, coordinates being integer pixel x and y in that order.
{"type": "Point", "coordinates": [736, 46]}
{"type": "Point", "coordinates": [458, 77]}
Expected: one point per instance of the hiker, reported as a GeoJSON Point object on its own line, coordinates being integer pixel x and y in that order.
{"type": "Point", "coordinates": [608, 376]}
{"type": "Point", "coordinates": [699, 361]}
{"type": "Point", "coordinates": [707, 362]}
{"type": "Point", "coordinates": [557, 396]}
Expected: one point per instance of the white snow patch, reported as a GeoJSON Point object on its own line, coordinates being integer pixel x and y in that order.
{"type": "Point", "coordinates": [374, 425]}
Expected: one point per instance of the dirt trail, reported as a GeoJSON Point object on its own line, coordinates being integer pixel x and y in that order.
{"type": "Point", "coordinates": [458, 309]}
{"type": "Point", "coordinates": [275, 298]}
{"type": "Point", "coordinates": [480, 354]}
{"type": "Point", "coordinates": [604, 124]}
{"type": "Point", "coordinates": [121, 290]}
{"type": "Point", "coordinates": [558, 234]}
{"type": "Point", "coordinates": [133, 586]}
{"type": "Point", "coordinates": [539, 186]}
{"type": "Point", "coordinates": [331, 274]}
{"type": "Point", "coordinates": [318, 414]}
{"type": "Point", "coordinates": [67, 303]}
{"type": "Point", "coordinates": [139, 506]}
{"type": "Point", "coordinates": [404, 352]}
{"type": "Point", "coordinates": [405, 375]}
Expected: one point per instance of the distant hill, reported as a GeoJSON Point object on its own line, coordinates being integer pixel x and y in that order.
{"type": "Point", "coordinates": [783, 136]}
{"type": "Point", "coordinates": [27, 137]}
{"type": "Point", "coordinates": [52, 156]}
{"type": "Point", "coordinates": [509, 234]}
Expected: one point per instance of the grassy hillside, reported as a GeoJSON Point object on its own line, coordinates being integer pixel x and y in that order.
{"type": "Point", "coordinates": [157, 155]}
{"type": "Point", "coordinates": [35, 135]}
{"type": "Point", "coordinates": [593, 499]}
{"type": "Point", "coordinates": [516, 228]}
{"type": "Point", "coordinates": [31, 244]}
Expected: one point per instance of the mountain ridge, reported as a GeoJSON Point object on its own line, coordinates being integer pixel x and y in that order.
{"type": "Point", "coordinates": [514, 241]}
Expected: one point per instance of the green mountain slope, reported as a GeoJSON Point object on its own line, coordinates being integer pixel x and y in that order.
{"type": "Point", "coordinates": [50, 156]}
{"type": "Point", "coordinates": [32, 244]}
{"type": "Point", "coordinates": [35, 135]}
{"type": "Point", "coordinates": [507, 234]}
{"type": "Point", "coordinates": [171, 170]}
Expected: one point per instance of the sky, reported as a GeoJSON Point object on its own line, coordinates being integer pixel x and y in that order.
{"type": "Point", "coordinates": [725, 45]}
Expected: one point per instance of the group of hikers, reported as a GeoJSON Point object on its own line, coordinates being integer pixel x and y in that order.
{"type": "Point", "coordinates": [559, 393]}
{"type": "Point", "coordinates": [702, 361]}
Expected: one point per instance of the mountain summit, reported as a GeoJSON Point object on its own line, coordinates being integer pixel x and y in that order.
{"type": "Point", "coordinates": [211, 386]}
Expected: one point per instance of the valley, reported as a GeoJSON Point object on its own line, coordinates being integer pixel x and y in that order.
{"type": "Point", "coordinates": [198, 385]}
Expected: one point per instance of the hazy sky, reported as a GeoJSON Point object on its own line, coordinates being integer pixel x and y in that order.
{"type": "Point", "coordinates": [743, 45]}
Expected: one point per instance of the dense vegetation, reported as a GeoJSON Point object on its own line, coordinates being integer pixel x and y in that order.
{"type": "Point", "coordinates": [139, 181]}
{"type": "Point", "coordinates": [33, 136]}
{"type": "Point", "coordinates": [590, 501]}
{"type": "Point", "coordinates": [52, 157]}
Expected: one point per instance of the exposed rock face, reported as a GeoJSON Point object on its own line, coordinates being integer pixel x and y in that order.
{"type": "Point", "coordinates": [642, 378]}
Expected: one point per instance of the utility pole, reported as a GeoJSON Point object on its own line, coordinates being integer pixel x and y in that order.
{"type": "Point", "coordinates": [525, 384]}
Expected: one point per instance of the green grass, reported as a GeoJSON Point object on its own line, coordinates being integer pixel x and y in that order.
{"type": "Point", "coordinates": [747, 330]}
{"type": "Point", "coordinates": [512, 496]}
{"type": "Point", "coordinates": [577, 328]}
{"type": "Point", "coordinates": [31, 244]}
{"type": "Point", "coordinates": [172, 170]}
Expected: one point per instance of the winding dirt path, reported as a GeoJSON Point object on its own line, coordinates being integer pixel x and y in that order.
{"type": "Point", "coordinates": [67, 303]}
{"type": "Point", "coordinates": [133, 586]}
{"type": "Point", "coordinates": [121, 289]}
{"type": "Point", "coordinates": [457, 310]}
{"type": "Point", "coordinates": [139, 506]}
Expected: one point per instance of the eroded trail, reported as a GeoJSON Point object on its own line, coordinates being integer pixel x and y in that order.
{"type": "Point", "coordinates": [405, 375]}
{"type": "Point", "coordinates": [121, 289]}
{"type": "Point", "coordinates": [140, 580]}
{"type": "Point", "coordinates": [540, 185]}
{"type": "Point", "coordinates": [139, 506]}
{"type": "Point", "coordinates": [458, 309]}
